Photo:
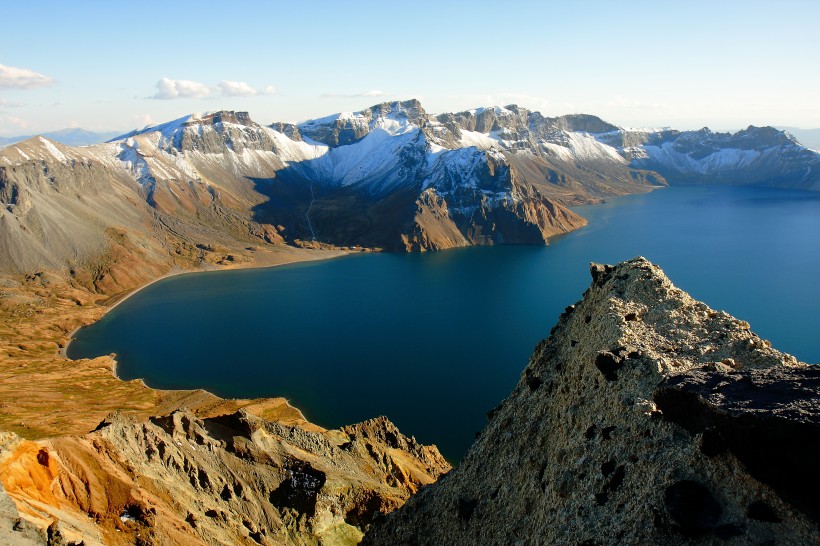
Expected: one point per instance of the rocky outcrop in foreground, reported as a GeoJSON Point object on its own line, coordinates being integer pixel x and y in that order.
{"type": "Point", "coordinates": [645, 418]}
{"type": "Point", "coordinates": [232, 479]}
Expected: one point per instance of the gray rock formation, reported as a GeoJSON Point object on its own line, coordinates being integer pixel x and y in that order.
{"type": "Point", "coordinates": [645, 418]}
{"type": "Point", "coordinates": [231, 479]}
{"type": "Point", "coordinates": [769, 419]}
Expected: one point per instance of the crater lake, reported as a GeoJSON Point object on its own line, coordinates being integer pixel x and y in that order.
{"type": "Point", "coordinates": [435, 340]}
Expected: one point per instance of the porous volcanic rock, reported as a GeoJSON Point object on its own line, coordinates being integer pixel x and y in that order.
{"type": "Point", "coordinates": [645, 418]}
{"type": "Point", "coordinates": [232, 479]}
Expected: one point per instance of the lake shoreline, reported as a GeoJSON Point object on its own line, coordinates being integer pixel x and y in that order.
{"type": "Point", "coordinates": [124, 296]}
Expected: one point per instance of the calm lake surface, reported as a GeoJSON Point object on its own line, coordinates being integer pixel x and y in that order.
{"type": "Point", "coordinates": [435, 340]}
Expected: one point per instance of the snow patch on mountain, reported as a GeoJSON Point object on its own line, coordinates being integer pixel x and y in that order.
{"type": "Point", "coordinates": [479, 140]}
{"type": "Point", "coordinates": [375, 155]}
{"type": "Point", "coordinates": [497, 110]}
{"type": "Point", "coordinates": [52, 149]}
{"type": "Point", "coordinates": [292, 151]}
{"type": "Point", "coordinates": [393, 125]}
{"type": "Point", "coordinates": [136, 164]}
{"type": "Point", "coordinates": [727, 158]}
{"type": "Point", "coordinates": [571, 146]}
{"type": "Point", "coordinates": [453, 168]}
{"type": "Point", "coordinates": [166, 129]}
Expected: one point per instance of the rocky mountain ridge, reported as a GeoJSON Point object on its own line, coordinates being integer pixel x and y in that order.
{"type": "Point", "coordinates": [755, 155]}
{"type": "Point", "coordinates": [391, 177]}
{"type": "Point", "coordinates": [645, 418]}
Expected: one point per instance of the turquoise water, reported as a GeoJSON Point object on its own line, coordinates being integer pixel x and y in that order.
{"type": "Point", "coordinates": [435, 340]}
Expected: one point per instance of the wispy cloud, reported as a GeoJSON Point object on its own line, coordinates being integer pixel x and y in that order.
{"type": "Point", "coordinates": [532, 102]}
{"type": "Point", "coordinates": [368, 94]}
{"type": "Point", "coordinates": [634, 104]}
{"type": "Point", "coordinates": [271, 90]}
{"type": "Point", "coordinates": [9, 104]}
{"type": "Point", "coordinates": [12, 77]}
{"type": "Point", "coordinates": [168, 89]}
{"type": "Point", "coordinates": [15, 122]}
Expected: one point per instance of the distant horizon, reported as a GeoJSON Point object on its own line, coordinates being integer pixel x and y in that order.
{"type": "Point", "coordinates": [640, 64]}
{"type": "Point", "coordinates": [125, 130]}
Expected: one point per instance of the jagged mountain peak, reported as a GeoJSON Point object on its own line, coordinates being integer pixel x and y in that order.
{"type": "Point", "coordinates": [485, 119]}
{"type": "Point", "coordinates": [767, 134]}
{"type": "Point", "coordinates": [168, 128]}
{"type": "Point", "coordinates": [510, 110]}
{"type": "Point", "coordinates": [225, 116]}
{"type": "Point", "coordinates": [345, 128]}
{"type": "Point", "coordinates": [517, 119]}
{"type": "Point", "coordinates": [410, 109]}
{"type": "Point", "coordinates": [755, 155]}
{"type": "Point", "coordinates": [210, 132]}
{"type": "Point", "coordinates": [399, 109]}
{"type": "Point", "coordinates": [583, 123]}
{"type": "Point", "coordinates": [751, 138]}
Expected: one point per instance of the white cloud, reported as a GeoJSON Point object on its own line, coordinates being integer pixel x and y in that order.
{"type": "Point", "coordinates": [236, 89]}
{"type": "Point", "coordinates": [168, 89]}
{"type": "Point", "coordinates": [12, 77]}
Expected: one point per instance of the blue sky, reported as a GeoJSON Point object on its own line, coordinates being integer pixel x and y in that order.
{"type": "Point", "coordinates": [117, 66]}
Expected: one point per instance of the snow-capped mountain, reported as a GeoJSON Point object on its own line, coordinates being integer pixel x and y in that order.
{"type": "Point", "coordinates": [391, 176]}
{"type": "Point", "coordinates": [753, 156]}
{"type": "Point", "coordinates": [810, 138]}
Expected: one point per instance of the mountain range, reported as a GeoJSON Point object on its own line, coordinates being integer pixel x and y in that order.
{"type": "Point", "coordinates": [215, 187]}
{"type": "Point", "coordinates": [73, 136]}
